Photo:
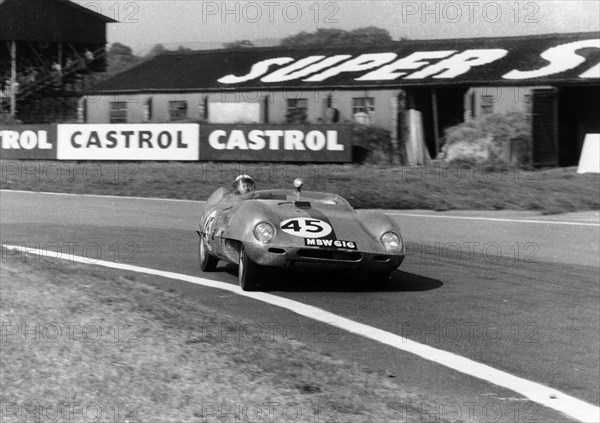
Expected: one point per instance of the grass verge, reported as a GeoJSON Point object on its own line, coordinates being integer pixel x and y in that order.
{"type": "Point", "coordinates": [437, 186]}
{"type": "Point", "coordinates": [89, 344]}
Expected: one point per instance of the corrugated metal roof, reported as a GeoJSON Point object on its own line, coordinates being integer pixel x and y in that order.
{"type": "Point", "coordinates": [480, 61]}
{"type": "Point", "coordinates": [86, 10]}
{"type": "Point", "coordinates": [51, 21]}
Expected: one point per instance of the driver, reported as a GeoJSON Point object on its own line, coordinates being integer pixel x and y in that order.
{"type": "Point", "coordinates": [243, 184]}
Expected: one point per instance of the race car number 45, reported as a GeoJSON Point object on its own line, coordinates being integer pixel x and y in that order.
{"type": "Point", "coordinates": [306, 227]}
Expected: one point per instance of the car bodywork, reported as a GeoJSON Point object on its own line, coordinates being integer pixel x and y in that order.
{"type": "Point", "coordinates": [312, 230]}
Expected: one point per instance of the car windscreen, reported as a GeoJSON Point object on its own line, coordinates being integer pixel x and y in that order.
{"type": "Point", "coordinates": [313, 197]}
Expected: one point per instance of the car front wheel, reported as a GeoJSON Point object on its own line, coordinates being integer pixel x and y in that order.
{"type": "Point", "coordinates": [208, 263]}
{"type": "Point", "coordinates": [248, 272]}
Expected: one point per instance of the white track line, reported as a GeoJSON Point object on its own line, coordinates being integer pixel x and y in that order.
{"type": "Point", "coordinates": [495, 219]}
{"type": "Point", "coordinates": [544, 395]}
{"type": "Point", "coordinates": [122, 197]}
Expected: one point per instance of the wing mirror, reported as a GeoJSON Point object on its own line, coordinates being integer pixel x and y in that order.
{"type": "Point", "coordinates": [298, 183]}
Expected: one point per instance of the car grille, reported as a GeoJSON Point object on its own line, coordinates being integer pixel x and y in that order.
{"type": "Point", "coordinates": [330, 255]}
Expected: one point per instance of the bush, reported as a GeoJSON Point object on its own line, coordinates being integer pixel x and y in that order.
{"type": "Point", "coordinates": [488, 138]}
{"type": "Point", "coordinates": [6, 119]}
{"type": "Point", "coordinates": [372, 145]}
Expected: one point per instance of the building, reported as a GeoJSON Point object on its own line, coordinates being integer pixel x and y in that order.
{"type": "Point", "coordinates": [49, 50]}
{"type": "Point", "coordinates": [555, 76]}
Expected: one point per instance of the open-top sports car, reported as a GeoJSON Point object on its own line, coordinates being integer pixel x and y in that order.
{"type": "Point", "coordinates": [296, 229]}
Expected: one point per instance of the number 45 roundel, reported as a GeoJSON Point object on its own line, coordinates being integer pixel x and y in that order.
{"type": "Point", "coordinates": [306, 227]}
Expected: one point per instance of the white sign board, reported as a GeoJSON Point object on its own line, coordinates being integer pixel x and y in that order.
{"type": "Point", "coordinates": [178, 142]}
{"type": "Point", "coordinates": [589, 161]}
{"type": "Point", "coordinates": [234, 112]}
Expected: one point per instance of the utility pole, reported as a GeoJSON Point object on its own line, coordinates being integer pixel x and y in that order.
{"type": "Point", "coordinates": [13, 78]}
{"type": "Point", "coordinates": [436, 128]}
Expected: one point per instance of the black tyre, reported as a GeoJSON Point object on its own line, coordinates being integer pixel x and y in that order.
{"type": "Point", "coordinates": [208, 263]}
{"type": "Point", "coordinates": [248, 272]}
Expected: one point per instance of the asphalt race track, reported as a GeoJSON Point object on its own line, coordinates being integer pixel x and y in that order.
{"type": "Point", "coordinates": [516, 291]}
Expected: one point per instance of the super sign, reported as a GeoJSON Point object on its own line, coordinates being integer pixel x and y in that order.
{"type": "Point", "coordinates": [418, 65]}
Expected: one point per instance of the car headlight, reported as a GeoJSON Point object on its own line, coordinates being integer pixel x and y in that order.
{"type": "Point", "coordinates": [391, 242]}
{"type": "Point", "coordinates": [264, 232]}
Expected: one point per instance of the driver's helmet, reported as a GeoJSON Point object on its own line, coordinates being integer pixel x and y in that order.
{"type": "Point", "coordinates": [243, 184]}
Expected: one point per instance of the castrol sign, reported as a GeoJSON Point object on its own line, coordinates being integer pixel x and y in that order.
{"type": "Point", "coordinates": [28, 142]}
{"type": "Point", "coordinates": [293, 143]}
{"type": "Point", "coordinates": [128, 142]}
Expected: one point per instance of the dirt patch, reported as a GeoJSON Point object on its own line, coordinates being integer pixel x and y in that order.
{"type": "Point", "coordinates": [86, 344]}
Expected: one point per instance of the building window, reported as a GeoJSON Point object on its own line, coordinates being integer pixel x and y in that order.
{"type": "Point", "coordinates": [363, 105]}
{"type": "Point", "coordinates": [487, 104]}
{"type": "Point", "coordinates": [363, 109]}
{"type": "Point", "coordinates": [118, 112]}
{"type": "Point", "coordinates": [528, 100]}
{"type": "Point", "coordinates": [147, 110]}
{"type": "Point", "coordinates": [178, 110]}
{"type": "Point", "coordinates": [297, 110]}
{"type": "Point", "coordinates": [82, 110]}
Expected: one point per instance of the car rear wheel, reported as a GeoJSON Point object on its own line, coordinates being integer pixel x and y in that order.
{"type": "Point", "coordinates": [208, 263]}
{"type": "Point", "coordinates": [248, 272]}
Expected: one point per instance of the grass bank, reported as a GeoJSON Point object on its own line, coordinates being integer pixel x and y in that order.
{"type": "Point", "coordinates": [437, 186]}
{"type": "Point", "coordinates": [84, 344]}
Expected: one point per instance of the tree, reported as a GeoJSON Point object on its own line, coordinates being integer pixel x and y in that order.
{"type": "Point", "coordinates": [370, 35]}
{"type": "Point", "coordinates": [367, 36]}
{"type": "Point", "coordinates": [120, 57]}
{"type": "Point", "coordinates": [118, 49]}
{"type": "Point", "coordinates": [157, 50]}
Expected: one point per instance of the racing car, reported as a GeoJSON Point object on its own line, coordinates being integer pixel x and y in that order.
{"type": "Point", "coordinates": [296, 230]}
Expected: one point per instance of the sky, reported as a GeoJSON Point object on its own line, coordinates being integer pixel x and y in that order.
{"type": "Point", "coordinates": [200, 24]}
